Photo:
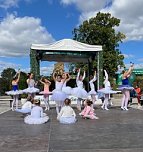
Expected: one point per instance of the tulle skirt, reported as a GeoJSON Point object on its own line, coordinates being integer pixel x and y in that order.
{"type": "Point", "coordinates": [67, 120]}
{"type": "Point", "coordinates": [67, 90]}
{"type": "Point", "coordinates": [92, 92]}
{"type": "Point", "coordinates": [79, 92]}
{"type": "Point", "coordinates": [12, 92]}
{"type": "Point", "coordinates": [30, 120]}
{"type": "Point", "coordinates": [107, 91]}
{"type": "Point", "coordinates": [58, 97]}
{"type": "Point", "coordinates": [23, 110]}
{"type": "Point", "coordinates": [31, 90]}
{"type": "Point", "coordinates": [45, 93]}
{"type": "Point", "coordinates": [125, 87]}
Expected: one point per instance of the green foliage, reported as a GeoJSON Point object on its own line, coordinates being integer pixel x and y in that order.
{"type": "Point", "coordinates": [22, 82]}
{"type": "Point", "coordinates": [100, 30]}
{"type": "Point", "coordinates": [6, 78]}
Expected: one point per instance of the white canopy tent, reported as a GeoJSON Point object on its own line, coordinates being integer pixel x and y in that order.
{"type": "Point", "coordinates": [67, 45]}
{"type": "Point", "coordinates": [66, 50]}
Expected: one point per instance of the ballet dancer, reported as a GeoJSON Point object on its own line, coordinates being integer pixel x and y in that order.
{"type": "Point", "coordinates": [37, 116]}
{"type": "Point", "coordinates": [66, 77]}
{"type": "Point", "coordinates": [79, 91]}
{"type": "Point", "coordinates": [67, 114]}
{"type": "Point", "coordinates": [92, 92]}
{"type": "Point", "coordinates": [46, 92]}
{"type": "Point", "coordinates": [15, 92]}
{"type": "Point", "coordinates": [106, 91]}
{"type": "Point", "coordinates": [58, 95]}
{"type": "Point", "coordinates": [125, 87]}
{"type": "Point", "coordinates": [31, 90]}
{"type": "Point", "coordinates": [88, 111]}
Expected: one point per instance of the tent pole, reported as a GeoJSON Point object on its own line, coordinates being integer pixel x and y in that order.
{"type": "Point", "coordinates": [98, 70]}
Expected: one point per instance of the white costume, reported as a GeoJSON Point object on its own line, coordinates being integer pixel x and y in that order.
{"type": "Point", "coordinates": [26, 108]}
{"type": "Point", "coordinates": [31, 89]}
{"type": "Point", "coordinates": [92, 87]}
{"type": "Point", "coordinates": [107, 91]}
{"type": "Point", "coordinates": [79, 91]}
{"type": "Point", "coordinates": [15, 93]}
{"type": "Point", "coordinates": [66, 89]}
{"type": "Point", "coordinates": [37, 116]}
{"type": "Point", "coordinates": [67, 115]}
{"type": "Point", "coordinates": [107, 86]}
{"type": "Point", "coordinates": [58, 96]}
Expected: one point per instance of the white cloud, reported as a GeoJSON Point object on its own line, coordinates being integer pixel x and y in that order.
{"type": "Point", "coordinates": [8, 3]}
{"type": "Point", "coordinates": [47, 71]}
{"type": "Point", "coordinates": [130, 13]}
{"type": "Point", "coordinates": [91, 5]}
{"type": "Point", "coordinates": [136, 66]}
{"type": "Point", "coordinates": [11, 3]}
{"type": "Point", "coordinates": [128, 56]}
{"type": "Point", "coordinates": [5, 65]}
{"type": "Point", "coordinates": [18, 33]}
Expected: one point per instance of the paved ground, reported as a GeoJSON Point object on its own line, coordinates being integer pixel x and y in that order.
{"type": "Point", "coordinates": [115, 131]}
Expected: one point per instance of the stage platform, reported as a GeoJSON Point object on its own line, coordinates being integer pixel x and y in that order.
{"type": "Point", "coordinates": [115, 131]}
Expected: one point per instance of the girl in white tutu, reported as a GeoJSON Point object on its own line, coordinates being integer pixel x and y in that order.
{"type": "Point", "coordinates": [31, 90]}
{"type": "Point", "coordinates": [125, 88]}
{"type": "Point", "coordinates": [37, 116]}
{"type": "Point", "coordinates": [58, 95]}
{"type": "Point", "coordinates": [26, 107]}
{"type": "Point", "coordinates": [46, 92]}
{"type": "Point", "coordinates": [66, 77]}
{"type": "Point", "coordinates": [15, 92]}
{"type": "Point", "coordinates": [88, 111]}
{"type": "Point", "coordinates": [92, 87]}
{"type": "Point", "coordinates": [79, 91]}
{"type": "Point", "coordinates": [107, 90]}
{"type": "Point", "coordinates": [67, 114]}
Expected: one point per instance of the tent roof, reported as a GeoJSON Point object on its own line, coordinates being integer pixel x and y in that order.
{"type": "Point", "coordinates": [66, 45]}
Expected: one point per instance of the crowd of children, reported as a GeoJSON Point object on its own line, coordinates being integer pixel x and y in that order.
{"type": "Point", "coordinates": [65, 113]}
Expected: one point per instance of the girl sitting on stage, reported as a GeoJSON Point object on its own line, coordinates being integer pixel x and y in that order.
{"type": "Point", "coordinates": [67, 114]}
{"type": "Point", "coordinates": [27, 106]}
{"type": "Point", "coordinates": [46, 92]}
{"type": "Point", "coordinates": [88, 111]}
{"type": "Point", "coordinates": [37, 116]}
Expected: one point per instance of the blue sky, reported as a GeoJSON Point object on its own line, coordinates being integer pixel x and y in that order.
{"type": "Point", "coordinates": [23, 22]}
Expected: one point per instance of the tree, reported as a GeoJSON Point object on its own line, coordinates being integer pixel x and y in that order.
{"type": "Point", "coordinates": [100, 30]}
{"type": "Point", "coordinates": [6, 78]}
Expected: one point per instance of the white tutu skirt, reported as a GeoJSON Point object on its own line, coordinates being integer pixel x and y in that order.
{"type": "Point", "coordinates": [45, 93]}
{"type": "Point", "coordinates": [30, 120]}
{"type": "Point", "coordinates": [79, 93]}
{"type": "Point", "coordinates": [12, 92]}
{"type": "Point", "coordinates": [125, 87]}
{"type": "Point", "coordinates": [92, 92]}
{"type": "Point", "coordinates": [23, 110]}
{"type": "Point", "coordinates": [31, 90]}
{"type": "Point", "coordinates": [107, 91]}
{"type": "Point", "coordinates": [58, 97]}
{"type": "Point", "coordinates": [67, 90]}
{"type": "Point", "coordinates": [67, 120]}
